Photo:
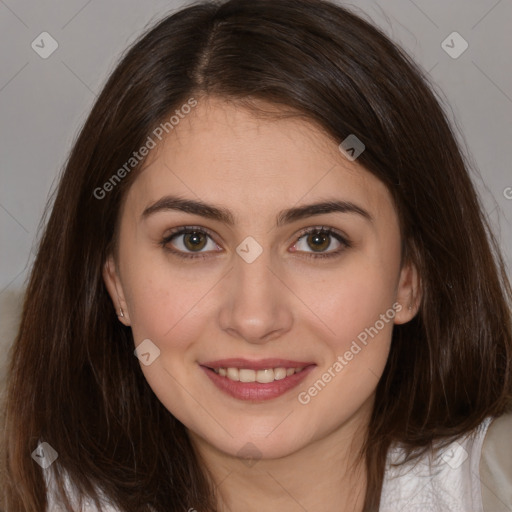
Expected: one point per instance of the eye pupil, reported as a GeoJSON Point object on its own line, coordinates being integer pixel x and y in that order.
{"type": "Point", "coordinates": [194, 240]}
{"type": "Point", "coordinates": [319, 241]}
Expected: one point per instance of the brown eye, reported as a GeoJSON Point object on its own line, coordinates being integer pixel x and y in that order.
{"type": "Point", "coordinates": [189, 242]}
{"type": "Point", "coordinates": [319, 241]}
{"type": "Point", "coordinates": [194, 241]}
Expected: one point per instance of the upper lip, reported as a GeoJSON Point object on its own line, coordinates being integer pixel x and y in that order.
{"type": "Point", "coordinates": [260, 364]}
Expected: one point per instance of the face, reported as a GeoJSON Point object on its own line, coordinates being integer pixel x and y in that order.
{"type": "Point", "coordinates": [245, 268]}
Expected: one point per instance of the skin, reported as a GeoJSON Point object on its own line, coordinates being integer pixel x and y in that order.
{"type": "Point", "coordinates": [283, 304]}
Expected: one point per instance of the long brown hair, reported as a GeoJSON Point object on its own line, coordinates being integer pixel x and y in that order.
{"type": "Point", "coordinates": [74, 381]}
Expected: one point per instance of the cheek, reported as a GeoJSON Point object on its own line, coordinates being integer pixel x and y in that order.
{"type": "Point", "coordinates": [352, 298]}
{"type": "Point", "coordinates": [150, 312]}
{"type": "Point", "coordinates": [160, 291]}
{"type": "Point", "coordinates": [357, 308]}
{"type": "Point", "coordinates": [173, 306]}
{"type": "Point", "coordinates": [171, 310]}
{"type": "Point", "coordinates": [164, 308]}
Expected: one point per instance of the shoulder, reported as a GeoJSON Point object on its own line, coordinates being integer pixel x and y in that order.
{"type": "Point", "coordinates": [440, 480]}
{"type": "Point", "coordinates": [54, 504]}
{"type": "Point", "coordinates": [496, 466]}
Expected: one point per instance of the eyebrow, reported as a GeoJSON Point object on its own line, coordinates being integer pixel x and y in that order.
{"type": "Point", "coordinates": [218, 213]}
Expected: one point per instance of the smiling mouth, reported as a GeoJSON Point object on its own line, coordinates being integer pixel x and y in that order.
{"type": "Point", "coordinates": [263, 376]}
{"type": "Point", "coordinates": [256, 381]}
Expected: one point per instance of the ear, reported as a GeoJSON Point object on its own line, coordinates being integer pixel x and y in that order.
{"type": "Point", "coordinates": [115, 290]}
{"type": "Point", "coordinates": [409, 293]}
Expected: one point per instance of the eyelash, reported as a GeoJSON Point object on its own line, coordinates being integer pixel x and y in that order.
{"type": "Point", "coordinates": [345, 243]}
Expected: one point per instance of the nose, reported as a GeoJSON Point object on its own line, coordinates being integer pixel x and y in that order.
{"type": "Point", "coordinates": [256, 305]}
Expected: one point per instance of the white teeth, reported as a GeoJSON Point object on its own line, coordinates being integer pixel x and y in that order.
{"type": "Point", "coordinates": [232, 374]}
{"type": "Point", "coordinates": [262, 376]}
{"type": "Point", "coordinates": [279, 373]}
{"type": "Point", "coordinates": [246, 375]}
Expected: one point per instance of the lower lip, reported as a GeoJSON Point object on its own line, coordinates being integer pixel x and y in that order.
{"type": "Point", "coordinates": [254, 391]}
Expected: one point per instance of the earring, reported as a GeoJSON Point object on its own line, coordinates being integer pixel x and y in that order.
{"type": "Point", "coordinates": [410, 307]}
{"type": "Point", "coordinates": [121, 314]}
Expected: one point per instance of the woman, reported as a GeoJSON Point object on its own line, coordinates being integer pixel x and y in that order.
{"type": "Point", "coordinates": [268, 208]}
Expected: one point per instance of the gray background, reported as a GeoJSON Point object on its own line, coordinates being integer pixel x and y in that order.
{"type": "Point", "coordinates": [43, 102]}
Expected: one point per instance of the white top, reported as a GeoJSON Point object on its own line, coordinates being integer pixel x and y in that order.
{"type": "Point", "coordinates": [448, 482]}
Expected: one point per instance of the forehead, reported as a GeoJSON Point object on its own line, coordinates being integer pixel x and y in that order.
{"type": "Point", "coordinates": [224, 153]}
